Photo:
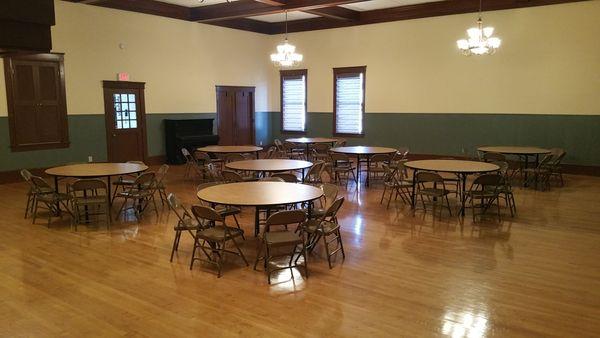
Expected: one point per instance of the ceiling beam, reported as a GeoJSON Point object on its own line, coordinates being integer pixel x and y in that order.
{"type": "Point", "coordinates": [417, 11]}
{"type": "Point", "coordinates": [338, 13]}
{"type": "Point", "coordinates": [248, 8]}
{"type": "Point", "coordinates": [143, 6]}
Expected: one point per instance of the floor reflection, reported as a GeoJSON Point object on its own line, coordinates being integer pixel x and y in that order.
{"type": "Point", "coordinates": [465, 324]}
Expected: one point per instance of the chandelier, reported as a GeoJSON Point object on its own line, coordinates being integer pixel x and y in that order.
{"type": "Point", "coordinates": [480, 40]}
{"type": "Point", "coordinates": [286, 55]}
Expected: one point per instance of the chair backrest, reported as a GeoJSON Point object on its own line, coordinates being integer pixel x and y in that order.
{"type": "Point", "coordinates": [314, 173]}
{"type": "Point", "coordinates": [427, 176]}
{"type": "Point", "coordinates": [503, 167]}
{"type": "Point", "coordinates": [330, 193]}
{"type": "Point", "coordinates": [491, 157]}
{"type": "Point", "coordinates": [488, 180]}
{"type": "Point", "coordinates": [558, 154]}
{"type": "Point", "coordinates": [377, 159]}
{"type": "Point", "coordinates": [39, 184]}
{"type": "Point", "coordinates": [161, 173]}
{"type": "Point", "coordinates": [290, 145]}
{"type": "Point", "coordinates": [270, 152]}
{"type": "Point", "coordinates": [214, 174]}
{"type": "Point", "coordinates": [272, 179]}
{"type": "Point", "coordinates": [339, 157]}
{"type": "Point", "coordinates": [287, 177]}
{"type": "Point", "coordinates": [546, 160]}
{"type": "Point", "coordinates": [388, 174]}
{"type": "Point", "coordinates": [88, 184]}
{"type": "Point", "coordinates": [202, 157]}
{"type": "Point", "coordinates": [235, 157]}
{"type": "Point", "coordinates": [206, 214]}
{"type": "Point", "coordinates": [186, 154]}
{"type": "Point", "coordinates": [137, 162]}
{"type": "Point", "coordinates": [321, 148]}
{"type": "Point", "coordinates": [278, 144]}
{"type": "Point", "coordinates": [403, 151]}
{"type": "Point", "coordinates": [340, 143]}
{"type": "Point", "coordinates": [177, 207]}
{"type": "Point", "coordinates": [331, 212]}
{"type": "Point", "coordinates": [285, 217]}
{"type": "Point", "coordinates": [26, 174]}
{"type": "Point", "coordinates": [231, 176]}
{"type": "Point", "coordinates": [145, 181]}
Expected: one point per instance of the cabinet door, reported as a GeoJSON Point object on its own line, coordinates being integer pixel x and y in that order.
{"type": "Point", "coordinates": [244, 117]}
{"type": "Point", "coordinates": [226, 116]}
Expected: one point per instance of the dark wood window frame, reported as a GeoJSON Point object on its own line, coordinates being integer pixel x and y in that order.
{"type": "Point", "coordinates": [293, 73]}
{"type": "Point", "coordinates": [349, 70]}
{"type": "Point", "coordinates": [9, 75]}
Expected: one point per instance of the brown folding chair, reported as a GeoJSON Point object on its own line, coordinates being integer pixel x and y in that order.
{"type": "Point", "coordinates": [31, 193]}
{"type": "Point", "coordinates": [395, 186]}
{"type": "Point", "coordinates": [89, 197]}
{"type": "Point", "coordinates": [324, 227]}
{"type": "Point", "coordinates": [273, 240]}
{"type": "Point", "coordinates": [46, 195]}
{"type": "Point", "coordinates": [223, 210]}
{"type": "Point", "coordinates": [161, 173]}
{"type": "Point", "coordinates": [287, 177]}
{"type": "Point", "coordinates": [342, 167]}
{"type": "Point", "coordinates": [432, 186]}
{"type": "Point", "coordinates": [485, 189]}
{"type": "Point", "coordinates": [185, 221]}
{"type": "Point", "coordinates": [124, 181]}
{"type": "Point", "coordinates": [141, 193]}
{"type": "Point", "coordinates": [212, 237]}
{"type": "Point", "coordinates": [313, 176]}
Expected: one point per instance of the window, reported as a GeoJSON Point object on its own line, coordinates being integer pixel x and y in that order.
{"type": "Point", "coordinates": [37, 111]}
{"type": "Point", "coordinates": [293, 101]}
{"type": "Point", "coordinates": [349, 100]}
{"type": "Point", "coordinates": [125, 117]}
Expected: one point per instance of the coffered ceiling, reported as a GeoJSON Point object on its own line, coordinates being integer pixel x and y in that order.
{"type": "Point", "coordinates": [268, 16]}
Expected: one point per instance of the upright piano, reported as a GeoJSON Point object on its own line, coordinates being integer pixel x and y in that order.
{"type": "Point", "coordinates": [189, 134]}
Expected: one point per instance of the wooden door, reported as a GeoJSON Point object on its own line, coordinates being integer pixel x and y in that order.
{"type": "Point", "coordinates": [125, 121]}
{"type": "Point", "coordinates": [36, 102]}
{"type": "Point", "coordinates": [235, 115]}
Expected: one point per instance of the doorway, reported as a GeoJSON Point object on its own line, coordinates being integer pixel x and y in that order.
{"type": "Point", "coordinates": [235, 115]}
{"type": "Point", "coordinates": [125, 115]}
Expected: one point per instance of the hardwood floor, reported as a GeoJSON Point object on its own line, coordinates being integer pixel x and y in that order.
{"type": "Point", "coordinates": [537, 274]}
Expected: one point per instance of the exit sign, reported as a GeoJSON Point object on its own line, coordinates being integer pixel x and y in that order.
{"type": "Point", "coordinates": [123, 76]}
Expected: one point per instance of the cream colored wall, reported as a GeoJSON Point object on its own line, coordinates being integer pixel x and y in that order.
{"type": "Point", "coordinates": [549, 63]}
{"type": "Point", "coordinates": [180, 61]}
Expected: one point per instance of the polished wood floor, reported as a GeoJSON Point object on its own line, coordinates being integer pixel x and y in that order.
{"type": "Point", "coordinates": [537, 274]}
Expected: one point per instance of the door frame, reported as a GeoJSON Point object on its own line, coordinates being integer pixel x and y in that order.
{"type": "Point", "coordinates": [140, 86]}
{"type": "Point", "coordinates": [251, 88]}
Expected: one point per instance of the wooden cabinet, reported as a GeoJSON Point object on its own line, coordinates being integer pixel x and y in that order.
{"type": "Point", "coordinates": [37, 112]}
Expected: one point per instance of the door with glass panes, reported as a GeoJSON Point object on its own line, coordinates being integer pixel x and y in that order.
{"type": "Point", "coordinates": [125, 121]}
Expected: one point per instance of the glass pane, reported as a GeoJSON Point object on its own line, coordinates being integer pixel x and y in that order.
{"type": "Point", "coordinates": [132, 107]}
{"type": "Point", "coordinates": [117, 106]}
{"type": "Point", "coordinates": [125, 114]}
{"type": "Point", "coordinates": [123, 97]}
{"type": "Point", "coordinates": [131, 98]}
{"type": "Point", "coordinates": [118, 116]}
{"type": "Point", "coordinates": [132, 115]}
{"type": "Point", "coordinates": [119, 126]}
{"type": "Point", "coordinates": [125, 124]}
{"type": "Point", "coordinates": [133, 124]}
{"type": "Point", "coordinates": [117, 98]}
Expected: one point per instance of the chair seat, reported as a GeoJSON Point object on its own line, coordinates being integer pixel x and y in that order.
{"type": "Point", "coordinates": [124, 182]}
{"type": "Point", "coordinates": [135, 194]}
{"type": "Point", "coordinates": [53, 197]}
{"type": "Point", "coordinates": [218, 233]}
{"type": "Point", "coordinates": [433, 192]}
{"type": "Point", "coordinates": [188, 224]}
{"type": "Point", "coordinates": [90, 200]}
{"type": "Point", "coordinates": [282, 238]}
{"type": "Point", "coordinates": [227, 210]}
{"type": "Point", "coordinates": [312, 226]}
{"type": "Point", "coordinates": [482, 194]}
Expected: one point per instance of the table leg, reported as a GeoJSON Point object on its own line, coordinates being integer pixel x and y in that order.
{"type": "Point", "coordinates": [357, 170]}
{"type": "Point", "coordinates": [256, 221]}
{"type": "Point", "coordinates": [525, 175]}
{"type": "Point", "coordinates": [302, 175]}
{"type": "Point", "coordinates": [257, 155]}
{"type": "Point", "coordinates": [307, 152]}
{"type": "Point", "coordinates": [56, 189]}
{"type": "Point", "coordinates": [462, 194]}
{"type": "Point", "coordinates": [414, 184]}
{"type": "Point", "coordinates": [368, 170]}
{"type": "Point", "coordinates": [535, 177]}
{"type": "Point", "coordinates": [108, 190]}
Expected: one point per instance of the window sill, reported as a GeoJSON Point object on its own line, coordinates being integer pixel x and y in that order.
{"type": "Point", "coordinates": [349, 135]}
{"type": "Point", "coordinates": [39, 146]}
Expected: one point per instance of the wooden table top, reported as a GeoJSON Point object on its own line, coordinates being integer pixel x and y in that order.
{"type": "Point", "coordinates": [230, 149]}
{"type": "Point", "coordinates": [452, 166]}
{"type": "Point", "coordinates": [259, 193]}
{"type": "Point", "coordinates": [269, 165]}
{"type": "Point", "coordinates": [362, 150]}
{"type": "Point", "coordinates": [96, 169]}
{"type": "Point", "coordinates": [514, 150]}
{"type": "Point", "coordinates": [312, 140]}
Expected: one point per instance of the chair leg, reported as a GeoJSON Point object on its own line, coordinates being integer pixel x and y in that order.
{"type": "Point", "coordinates": [175, 245]}
{"type": "Point", "coordinates": [339, 234]}
{"type": "Point", "coordinates": [121, 209]}
{"type": "Point", "coordinates": [258, 252]}
{"type": "Point", "coordinates": [29, 197]}
{"type": "Point", "coordinates": [327, 251]}
{"type": "Point", "coordinates": [237, 223]}
{"type": "Point", "coordinates": [35, 209]}
{"type": "Point", "coordinates": [238, 250]}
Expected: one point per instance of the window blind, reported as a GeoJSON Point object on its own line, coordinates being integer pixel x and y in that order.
{"type": "Point", "coordinates": [349, 98]}
{"type": "Point", "coordinates": [294, 103]}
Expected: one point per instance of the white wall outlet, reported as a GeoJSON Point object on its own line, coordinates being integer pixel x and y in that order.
{"type": "Point", "coordinates": [90, 159]}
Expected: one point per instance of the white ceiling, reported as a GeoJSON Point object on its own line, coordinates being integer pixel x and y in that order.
{"type": "Point", "coordinates": [194, 3]}
{"type": "Point", "coordinates": [379, 4]}
{"type": "Point", "coordinates": [280, 17]}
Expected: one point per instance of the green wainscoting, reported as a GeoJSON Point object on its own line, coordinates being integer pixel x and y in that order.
{"type": "Point", "coordinates": [460, 134]}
